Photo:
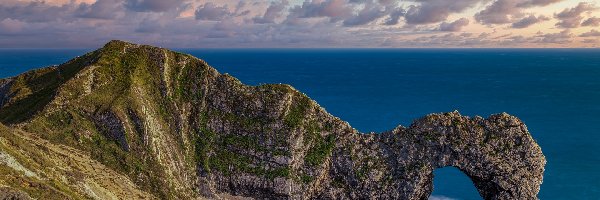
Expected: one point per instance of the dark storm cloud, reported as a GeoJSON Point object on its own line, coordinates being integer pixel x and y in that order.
{"type": "Point", "coordinates": [454, 26]}
{"type": "Point", "coordinates": [571, 17]}
{"type": "Point", "coordinates": [528, 21]}
{"type": "Point", "coordinates": [152, 5]}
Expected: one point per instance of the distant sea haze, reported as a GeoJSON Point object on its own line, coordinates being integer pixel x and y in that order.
{"type": "Point", "coordinates": [554, 91]}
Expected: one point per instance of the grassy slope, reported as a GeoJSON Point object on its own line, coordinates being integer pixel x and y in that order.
{"type": "Point", "coordinates": [33, 90]}
{"type": "Point", "coordinates": [163, 101]}
{"type": "Point", "coordinates": [49, 171]}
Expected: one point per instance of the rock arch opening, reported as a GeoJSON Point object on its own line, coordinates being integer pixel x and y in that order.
{"type": "Point", "coordinates": [451, 183]}
{"type": "Point", "coordinates": [497, 154]}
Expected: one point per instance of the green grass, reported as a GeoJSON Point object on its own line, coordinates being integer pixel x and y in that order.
{"type": "Point", "coordinates": [306, 179]}
{"type": "Point", "coordinates": [297, 111]}
{"type": "Point", "coordinates": [33, 90]}
{"type": "Point", "coordinates": [228, 159]}
{"type": "Point", "coordinates": [322, 148]}
{"type": "Point", "coordinates": [203, 143]}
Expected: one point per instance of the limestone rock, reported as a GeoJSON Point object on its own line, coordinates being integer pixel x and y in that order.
{"type": "Point", "coordinates": [178, 129]}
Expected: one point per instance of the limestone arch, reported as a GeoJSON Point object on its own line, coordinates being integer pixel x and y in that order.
{"type": "Point", "coordinates": [497, 154]}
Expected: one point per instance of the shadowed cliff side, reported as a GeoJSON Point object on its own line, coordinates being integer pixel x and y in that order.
{"type": "Point", "coordinates": [178, 129]}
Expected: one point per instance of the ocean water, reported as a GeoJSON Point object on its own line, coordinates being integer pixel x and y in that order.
{"type": "Point", "coordinates": [556, 92]}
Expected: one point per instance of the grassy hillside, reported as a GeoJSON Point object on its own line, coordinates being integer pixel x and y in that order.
{"type": "Point", "coordinates": [132, 121]}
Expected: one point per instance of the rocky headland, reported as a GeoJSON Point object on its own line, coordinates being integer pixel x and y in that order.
{"type": "Point", "coordinates": [132, 121]}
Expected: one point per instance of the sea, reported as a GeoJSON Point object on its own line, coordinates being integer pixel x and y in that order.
{"type": "Point", "coordinates": [556, 92]}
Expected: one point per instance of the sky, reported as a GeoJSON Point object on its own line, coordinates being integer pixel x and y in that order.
{"type": "Point", "coordinates": [301, 23]}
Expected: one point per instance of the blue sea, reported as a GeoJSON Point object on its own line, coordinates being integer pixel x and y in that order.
{"type": "Point", "coordinates": [556, 92]}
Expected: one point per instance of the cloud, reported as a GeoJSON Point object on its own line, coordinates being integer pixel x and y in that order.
{"type": "Point", "coordinates": [101, 9]}
{"type": "Point", "coordinates": [335, 10]}
{"type": "Point", "coordinates": [571, 17]}
{"type": "Point", "coordinates": [592, 21]}
{"type": "Point", "coordinates": [532, 3]}
{"type": "Point", "coordinates": [11, 26]}
{"type": "Point", "coordinates": [591, 33]}
{"type": "Point", "coordinates": [37, 11]}
{"type": "Point", "coordinates": [284, 23]}
{"type": "Point", "coordinates": [590, 41]}
{"type": "Point", "coordinates": [152, 5]}
{"type": "Point", "coordinates": [394, 17]}
{"type": "Point", "coordinates": [212, 12]}
{"type": "Point", "coordinates": [528, 21]}
{"type": "Point", "coordinates": [516, 40]}
{"type": "Point", "coordinates": [274, 11]}
{"type": "Point", "coordinates": [498, 12]}
{"type": "Point", "coordinates": [576, 11]}
{"type": "Point", "coordinates": [504, 11]}
{"type": "Point", "coordinates": [434, 11]}
{"type": "Point", "coordinates": [447, 40]}
{"type": "Point", "coordinates": [349, 12]}
{"type": "Point", "coordinates": [454, 26]}
{"type": "Point", "coordinates": [562, 37]}
{"type": "Point", "coordinates": [369, 13]}
{"type": "Point", "coordinates": [149, 26]}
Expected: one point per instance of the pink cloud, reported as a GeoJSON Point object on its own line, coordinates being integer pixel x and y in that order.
{"type": "Point", "coordinates": [12, 26]}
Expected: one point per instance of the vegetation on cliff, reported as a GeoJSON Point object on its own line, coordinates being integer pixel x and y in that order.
{"type": "Point", "coordinates": [166, 125]}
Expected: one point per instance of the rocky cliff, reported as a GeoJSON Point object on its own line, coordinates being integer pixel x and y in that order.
{"type": "Point", "coordinates": [145, 122]}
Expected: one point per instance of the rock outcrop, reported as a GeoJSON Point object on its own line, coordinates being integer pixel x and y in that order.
{"type": "Point", "coordinates": [178, 129]}
{"type": "Point", "coordinates": [4, 87]}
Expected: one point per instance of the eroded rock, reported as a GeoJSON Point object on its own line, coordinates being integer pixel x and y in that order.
{"type": "Point", "coordinates": [187, 131]}
{"type": "Point", "coordinates": [4, 89]}
{"type": "Point", "coordinates": [13, 194]}
{"type": "Point", "coordinates": [112, 127]}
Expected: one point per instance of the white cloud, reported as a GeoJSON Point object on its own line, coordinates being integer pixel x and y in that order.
{"type": "Point", "coordinates": [283, 23]}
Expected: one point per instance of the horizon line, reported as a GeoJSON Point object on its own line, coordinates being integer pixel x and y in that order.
{"type": "Point", "coordinates": [306, 48]}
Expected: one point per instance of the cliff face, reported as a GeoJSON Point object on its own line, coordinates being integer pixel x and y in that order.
{"type": "Point", "coordinates": [175, 128]}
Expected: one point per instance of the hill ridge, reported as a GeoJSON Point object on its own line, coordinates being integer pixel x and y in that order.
{"type": "Point", "coordinates": [178, 129]}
